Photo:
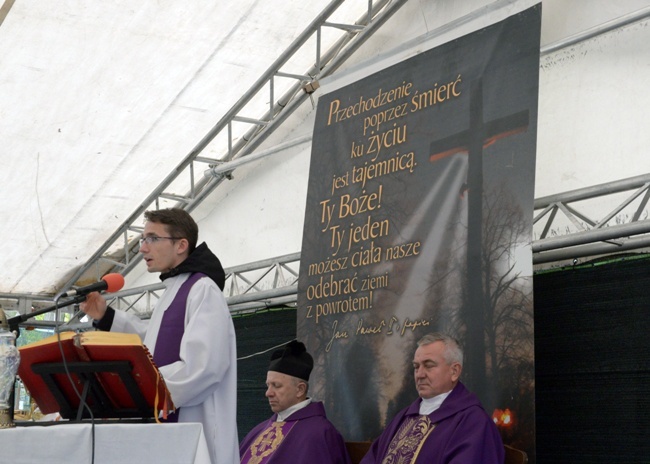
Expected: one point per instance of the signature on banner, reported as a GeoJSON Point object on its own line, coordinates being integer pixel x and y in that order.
{"type": "Point", "coordinates": [388, 327]}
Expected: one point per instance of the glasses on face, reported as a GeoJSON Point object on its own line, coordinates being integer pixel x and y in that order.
{"type": "Point", "coordinates": [154, 238]}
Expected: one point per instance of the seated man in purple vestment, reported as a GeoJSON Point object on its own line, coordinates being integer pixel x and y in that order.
{"type": "Point", "coordinates": [190, 333]}
{"type": "Point", "coordinates": [298, 432]}
{"type": "Point", "coordinates": [446, 424]}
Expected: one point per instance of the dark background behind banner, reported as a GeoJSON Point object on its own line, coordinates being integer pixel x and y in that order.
{"type": "Point", "coordinates": [257, 333]}
{"type": "Point", "coordinates": [592, 358]}
{"type": "Point", "coordinates": [592, 330]}
{"type": "Point", "coordinates": [441, 243]}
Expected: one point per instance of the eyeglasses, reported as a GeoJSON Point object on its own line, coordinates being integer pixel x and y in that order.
{"type": "Point", "coordinates": [154, 238]}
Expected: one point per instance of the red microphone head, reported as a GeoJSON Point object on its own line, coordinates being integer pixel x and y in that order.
{"type": "Point", "coordinates": [115, 282]}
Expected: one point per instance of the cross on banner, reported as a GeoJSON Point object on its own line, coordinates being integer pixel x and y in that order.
{"type": "Point", "coordinates": [478, 136]}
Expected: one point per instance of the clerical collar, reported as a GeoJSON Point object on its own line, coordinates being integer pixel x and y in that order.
{"type": "Point", "coordinates": [282, 415]}
{"type": "Point", "coordinates": [428, 405]}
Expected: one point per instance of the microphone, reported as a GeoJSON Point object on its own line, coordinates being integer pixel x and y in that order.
{"type": "Point", "coordinates": [110, 282]}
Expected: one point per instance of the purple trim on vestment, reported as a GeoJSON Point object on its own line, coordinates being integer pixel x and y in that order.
{"type": "Point", "coordinates": [172, 328]}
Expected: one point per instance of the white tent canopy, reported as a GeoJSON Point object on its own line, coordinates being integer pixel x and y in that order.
{"type": "Point", "coordinates": [101, 101]}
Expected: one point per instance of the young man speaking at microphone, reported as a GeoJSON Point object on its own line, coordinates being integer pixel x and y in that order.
{"type": "Point", "coordinates": [190, 334]}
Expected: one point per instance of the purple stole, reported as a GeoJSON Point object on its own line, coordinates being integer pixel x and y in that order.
{"type": "Point", "coordinates": [265, 444]}
{"type": "Point", "coordinates": [172, 328]}
{"type": "Point", "coordinates": [407, 442]}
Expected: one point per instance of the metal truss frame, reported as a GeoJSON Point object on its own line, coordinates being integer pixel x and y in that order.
{"type": "Point", "coordinates": [249, 287]}
{"type": "Point", "coordinates": [120, 251]}
{"type": "Point", "coordinates": [274, 282]}
{"type": "Point", "coordinates": [620, 229]}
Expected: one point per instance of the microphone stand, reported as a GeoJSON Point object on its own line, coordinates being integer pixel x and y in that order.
{"type": "Point", "coordinates": [15, 321]}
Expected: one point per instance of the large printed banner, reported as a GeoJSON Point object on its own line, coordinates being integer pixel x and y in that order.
{"type": "Point", "coordinates": [419, 219]}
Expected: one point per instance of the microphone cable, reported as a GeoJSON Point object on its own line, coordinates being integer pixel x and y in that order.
{"type": "Point", "coordinates": [82, 400]}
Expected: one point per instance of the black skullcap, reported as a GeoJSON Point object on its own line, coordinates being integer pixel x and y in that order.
{"type": "Point", "coordinates": [292, 360]}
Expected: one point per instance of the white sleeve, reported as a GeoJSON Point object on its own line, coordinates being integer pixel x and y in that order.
{"type": "Point", "coordinates": [129, 323]}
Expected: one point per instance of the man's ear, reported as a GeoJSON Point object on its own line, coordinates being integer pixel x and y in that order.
{"type": "Point", "coordinates": [183, 246]}
{"type": "Point", "coordinates": [456, 369]}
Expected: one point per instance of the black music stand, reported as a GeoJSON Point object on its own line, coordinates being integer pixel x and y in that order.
{"type": "Point", "coordinates": [93, 395]}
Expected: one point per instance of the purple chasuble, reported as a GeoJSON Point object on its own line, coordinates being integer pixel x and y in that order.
{"type": "Point", "coordinates": [262, 449]}
{"type": "Point", "coordinates": [172, 328]}
{"type": "Point", "coordinates": [313, 440]}
{"type": "Point", "coordinates": [463, 433]}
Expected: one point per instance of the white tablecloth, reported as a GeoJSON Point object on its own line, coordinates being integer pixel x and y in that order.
{"type": "Point", "coordinates": [114, 443]}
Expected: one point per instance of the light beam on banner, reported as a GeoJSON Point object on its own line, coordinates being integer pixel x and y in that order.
{"type": "Point", "coordinates": [394, 349]}
{"type": "Point", "coordinates": [393, 353]}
